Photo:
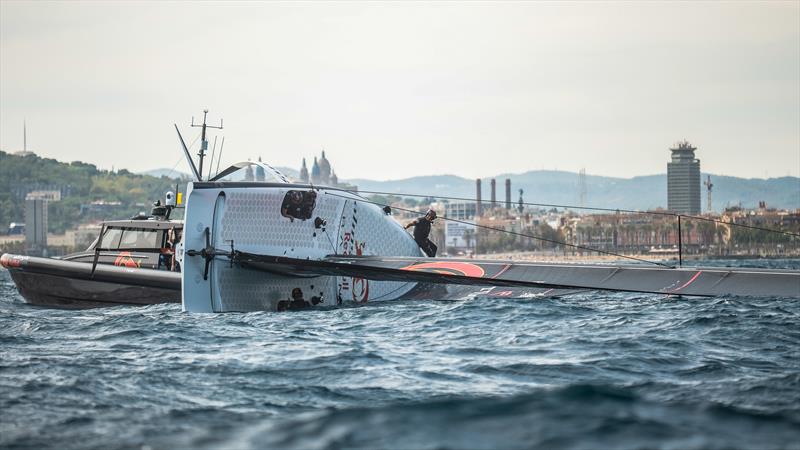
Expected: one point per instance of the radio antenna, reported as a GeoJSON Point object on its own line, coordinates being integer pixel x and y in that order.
{"type": "Point", "coordinates": [203, 141]}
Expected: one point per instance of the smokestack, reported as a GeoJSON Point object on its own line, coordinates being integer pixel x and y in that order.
{"type": "Point", "coordinates": [508, 193]}
{"type": "Point", "coordinates": [478, 208]}
{"type": "Point", "coordinates": [494, 194]}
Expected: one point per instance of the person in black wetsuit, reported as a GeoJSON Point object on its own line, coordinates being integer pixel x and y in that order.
{"type": "Point", "coordinates": [422, 229]}
{"type": "Point", "coordinates": [295, 304]}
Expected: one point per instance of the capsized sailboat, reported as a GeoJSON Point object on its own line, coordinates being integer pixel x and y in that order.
{"type": "Point", "coordinates": [260, 246]}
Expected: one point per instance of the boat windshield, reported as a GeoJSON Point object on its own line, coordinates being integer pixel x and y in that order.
{"type": "Point", "coordinates": [140, 239]}
{"type": "Point", "coordinates": [131, 238]}
{"type": "Point", "coordinates": [111, 238]}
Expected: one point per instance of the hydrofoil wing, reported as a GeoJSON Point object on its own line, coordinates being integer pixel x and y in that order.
{"type": "Point", "coordinates": [706, 282]}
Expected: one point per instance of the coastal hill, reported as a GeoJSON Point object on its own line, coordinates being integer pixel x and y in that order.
{"type": "Point", "coordinates": [558, 187]}
{"type": "Point", "coordinates": [88, 193]}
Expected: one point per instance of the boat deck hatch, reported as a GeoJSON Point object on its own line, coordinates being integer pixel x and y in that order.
{"type": "Point", "coordinates": [299, 204]}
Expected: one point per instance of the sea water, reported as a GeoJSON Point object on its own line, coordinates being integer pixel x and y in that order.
{"type": "Point", "coordinates": [591, 370]}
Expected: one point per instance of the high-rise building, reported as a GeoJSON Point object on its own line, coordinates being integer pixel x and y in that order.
{"type": "Point", "coordinates": [35, 226]}
{"type": "Point", "coordinates": [683, 180]}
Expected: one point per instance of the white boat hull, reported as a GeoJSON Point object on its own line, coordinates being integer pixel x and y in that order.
{"type": "Point", "coordinates": [250, 218]}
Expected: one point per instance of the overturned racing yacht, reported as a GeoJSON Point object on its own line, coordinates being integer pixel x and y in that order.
{"type": "Point", "coordinates": [245, 250]}
{"type": "Point", "coordinates": [271, 246]}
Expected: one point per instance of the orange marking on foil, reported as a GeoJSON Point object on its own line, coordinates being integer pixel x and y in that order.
{"type": "Point", "coordinates": [448, 267]}
{"type": "Point", "coordinates": [688, 282]}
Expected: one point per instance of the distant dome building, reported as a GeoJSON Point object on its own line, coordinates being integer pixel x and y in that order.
{"type": "Point", "coordinates": [322, 173]}
{"type": "Point", "coordinates": [324, 170]}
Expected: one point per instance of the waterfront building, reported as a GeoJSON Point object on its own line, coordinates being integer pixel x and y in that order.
{"type": "Point", "coordinates": [683, 180]}
{"type": "Point", "coordinates": [460, 210]}
{"type": "Point", "coordinates": [36, 226]}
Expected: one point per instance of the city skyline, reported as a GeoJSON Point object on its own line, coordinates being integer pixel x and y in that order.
{"type": "Point", "coordinates": [476, 89]}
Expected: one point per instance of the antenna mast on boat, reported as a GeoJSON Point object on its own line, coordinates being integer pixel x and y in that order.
{"type": "Point", "coordinates": [203, 141]}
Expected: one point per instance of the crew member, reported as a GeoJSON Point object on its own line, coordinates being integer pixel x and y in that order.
{"type": "Point", "coordinates": [422, 229]}
{"type": "Point", "coordinates": [166, 257]}
{"type": "Point", "coordinates": [298, 301]}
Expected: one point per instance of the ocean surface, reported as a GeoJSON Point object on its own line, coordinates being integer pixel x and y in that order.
{"type": "Point", "coordinates": [590, 370]}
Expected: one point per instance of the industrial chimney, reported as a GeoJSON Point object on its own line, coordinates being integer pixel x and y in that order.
{"type": "Point", "coordinates": [478, 197]}
{"type": "Point", "coordinates": [508, 193]}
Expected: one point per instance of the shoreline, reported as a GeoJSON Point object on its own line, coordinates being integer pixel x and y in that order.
{"type": "Point", "coordinates": [555, 257]}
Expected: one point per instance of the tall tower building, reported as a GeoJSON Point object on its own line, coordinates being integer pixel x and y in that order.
{"type": "Point", "coordinates": [683, 180]}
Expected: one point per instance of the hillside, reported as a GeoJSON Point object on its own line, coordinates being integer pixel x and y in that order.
{"type": "Point", "coordinates": [80, 184]}
{"type": "Point", "coordinates": [557, 187]}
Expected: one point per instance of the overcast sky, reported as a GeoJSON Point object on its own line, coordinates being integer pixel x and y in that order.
{"type": "Point", "coordinates": [393, 90]}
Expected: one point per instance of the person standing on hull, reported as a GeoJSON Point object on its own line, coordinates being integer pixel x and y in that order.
{"type": "Point", "coordinates": [422, 229]}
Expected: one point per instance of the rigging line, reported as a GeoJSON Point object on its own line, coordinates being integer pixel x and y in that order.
{"type": "Point", "coordinates": [330, 241]}
{"type": "Point", "coordinates": [174, 166]}
{"type": "Point", "coordinates": [181, 158]}
{"type": "Point", "coordinates": [518, 234]}
{"type": "Point", "coordinates": [552, 205]}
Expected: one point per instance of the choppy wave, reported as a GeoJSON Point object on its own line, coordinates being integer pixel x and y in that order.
{"type": "Point", "coordinates": [591, 370]}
